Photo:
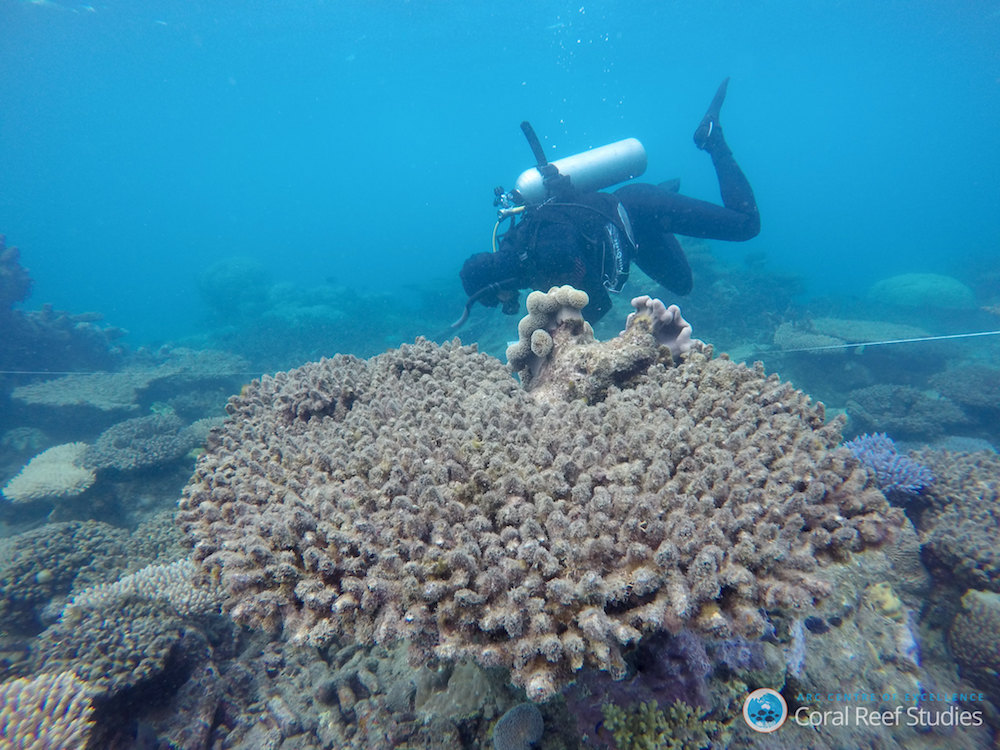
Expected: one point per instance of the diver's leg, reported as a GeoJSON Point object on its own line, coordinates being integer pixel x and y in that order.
{"type": "Point", "coordinates": [737, 195]}
{"type": "Point", "coordinates": [666, 263]}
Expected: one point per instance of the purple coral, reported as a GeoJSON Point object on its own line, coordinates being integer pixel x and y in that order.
{"type": "Point", "coordinates": [895, 474]}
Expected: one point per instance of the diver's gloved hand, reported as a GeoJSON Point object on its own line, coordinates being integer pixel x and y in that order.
{"type": "Point", "coordinates": [669, 328]}
{"type": "Point", "coordinates": [709, 132]}
{"type": "Point", "coordinates": [556, 184]}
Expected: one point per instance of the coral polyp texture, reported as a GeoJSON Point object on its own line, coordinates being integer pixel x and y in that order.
{"type": "Point", "coordinates": [47, 711]}
{"type": "Point", "coordinates": [425, 495]}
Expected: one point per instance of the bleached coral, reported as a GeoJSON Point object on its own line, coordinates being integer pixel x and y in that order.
{"type": "Point", "coordinates": [54, 473]}
{"type": "Point", "coordinates": [424, 495]}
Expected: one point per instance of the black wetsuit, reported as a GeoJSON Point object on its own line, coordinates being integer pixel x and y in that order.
{"type": "Point", "coordinates": [568, 241]}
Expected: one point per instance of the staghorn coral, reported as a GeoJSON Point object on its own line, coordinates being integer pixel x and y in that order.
{"type": "Point", "coordinates": [423, 495]}
{"type": "Point", "coordinates": [899, 477]}
{"type": "Point", "coordinates": [959, 531]}
{"type": "Point", "coordinates": [45, 712]}
{"type": "Point", "coordinates": [52, 474]}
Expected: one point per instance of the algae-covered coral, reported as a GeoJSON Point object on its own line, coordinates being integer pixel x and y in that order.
{"type": "Point", "coordinates": [677, 727]}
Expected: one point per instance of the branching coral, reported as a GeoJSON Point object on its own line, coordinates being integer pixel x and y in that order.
{"type": "Point", "coordinates": [424, 495]}
{"type": "Point", "coordinates": [47, 711]}
{"type": "Point", "coordinates": [898, 476]}
{"type": "Point", "coordinates": [677, 727]}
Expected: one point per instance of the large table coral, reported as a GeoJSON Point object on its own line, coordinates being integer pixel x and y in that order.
{"type": "Point", "coordinates": [424, 494]}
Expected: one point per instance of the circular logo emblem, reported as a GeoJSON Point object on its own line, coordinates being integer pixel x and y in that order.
{"type": "Point", "coordinates": [764, 710]}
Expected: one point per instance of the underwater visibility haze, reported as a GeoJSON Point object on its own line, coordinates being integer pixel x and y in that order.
{"type": "Point", "coordinates": [255, 495]}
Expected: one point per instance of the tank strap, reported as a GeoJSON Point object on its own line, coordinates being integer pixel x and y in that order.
{"type": "Point", "coordinates": [556, 184]}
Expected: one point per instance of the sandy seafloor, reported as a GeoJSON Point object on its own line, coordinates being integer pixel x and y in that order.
{"type": "Point", "coordinates": [196, 197]}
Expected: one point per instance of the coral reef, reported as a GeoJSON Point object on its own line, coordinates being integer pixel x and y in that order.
{"type": "Point", "coordinates": [924, 290]}
{"type": "Point", "coordinates": [55, 473]}
{"type": "Point", "coordinates": [354, 697]}
{"type": "Point", "coordinates": [676, 727]}
{"type": "Point", "coordinates": [40, 565]}
{"type": "Point", "coordinates": [123, 389]}
{"type": "Point", "coordinates": [44, 712]}
{"type": "Point", "coordinates": [47, 339]}
{"type": "Point", "coordinates": [235, 288]}
{"type": "Point", "coordinates": [973, 385]}
{"type": "Point", "coordinates": [959, 531]}
{"type": "Point", "coordinates": [976, 390]}
{"type": "Point", "coordinates": [423, 495]}
{"type": "Point", "coordinates": [665, 670]}
{"type": "Point", "coordinates": [883, 599]}
{"type": "Point", "coordinates": [15, 284]}
{"type": "Point", "coordinates": [114, 647]}
{"type": "Point", "coordinates": [141, 442]}
{"type": "Point", "coordinates": [558, 358]}
{"type": "Point", "coordinates": [851, 639]}
{"type": "Point", "coordinates": [899, 477]}
{"type": "Point", "coordinates": [519, 728]}
{"type": "Point", "coordinates": [836, 332]}
{"type": "Point", "coordinates": [172, 583]}
{"type": "Point", "coordinates": [974, 638]}
{"type": "Point", "coordinates": [112, 391]}
{"type": "Point", "coordinates": [902, 410]}
{"type": "Point", "coordinates": [141, 642]}
{"type": "Point", "coordinates": [792, 337]}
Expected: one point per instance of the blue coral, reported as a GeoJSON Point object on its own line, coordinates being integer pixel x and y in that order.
{"type": "Point", "coordinates": [895, 474]}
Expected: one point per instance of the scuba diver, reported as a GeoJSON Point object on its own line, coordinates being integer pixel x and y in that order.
{"type": "Point", "coordinates": [563, 231]}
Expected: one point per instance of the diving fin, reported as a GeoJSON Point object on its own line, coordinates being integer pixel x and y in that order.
{"type": "Point", "coordinates": [710, 122]}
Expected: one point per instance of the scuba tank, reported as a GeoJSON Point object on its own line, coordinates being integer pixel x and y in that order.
{"type": "Point", "coordinates": [587, 171]}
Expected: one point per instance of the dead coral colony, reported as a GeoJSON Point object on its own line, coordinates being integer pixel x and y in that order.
{"type": "Point", "coordinates": [424, 494]}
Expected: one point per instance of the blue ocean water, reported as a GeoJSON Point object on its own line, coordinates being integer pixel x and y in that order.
{"type": "Point", "coordinates": [357, 143]}
{"type": "Point", "coordinates": [255, 185]}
